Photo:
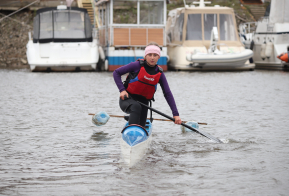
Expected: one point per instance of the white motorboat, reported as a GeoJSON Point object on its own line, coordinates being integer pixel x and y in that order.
{"type": "Point", "coordinates": [271, 37]}
{"type": "Point", "coordinates": [63, 40]}
{"type": "Point", "coordinates": [205, 38]}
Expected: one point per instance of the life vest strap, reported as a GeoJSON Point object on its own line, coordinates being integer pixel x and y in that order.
{"type": "Point", "coordinates": [146, 83]}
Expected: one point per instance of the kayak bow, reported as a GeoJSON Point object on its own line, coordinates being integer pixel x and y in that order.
{"type": "Point", "coordinates": [135, 142]}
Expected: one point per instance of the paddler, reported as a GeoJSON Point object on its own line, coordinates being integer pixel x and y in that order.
{"type": "Point", "coordinates": [141, 84]}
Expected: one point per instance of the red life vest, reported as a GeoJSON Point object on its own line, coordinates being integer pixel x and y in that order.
{"type": "Point", "coordinates": [144, 84]}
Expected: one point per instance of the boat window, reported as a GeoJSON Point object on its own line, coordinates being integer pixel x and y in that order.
{"type": "Point", "coordinates": [69, 24]}
{"type": "Point", "coordinates": [151, 12]}
{"type": "Point", "coordinates": [194, 27]}
{"type": "Point", "coordinates": [88, 27]}
{"type": "Point", "coordinates": [125, 12]}
{"type": "Point", "coordinates": [227, 28]}
{"type": "Point", "coordinates": [46, 26]}
{"type": "Point", "coordinates": [36, 27]}
{"type": "Point", "coordinates": [210, 21]}
{"type": "Point", "coordinates": [177, 33]}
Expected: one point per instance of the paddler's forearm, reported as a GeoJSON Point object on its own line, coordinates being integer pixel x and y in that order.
{"type": "Point", "coordinates": [171, 101]}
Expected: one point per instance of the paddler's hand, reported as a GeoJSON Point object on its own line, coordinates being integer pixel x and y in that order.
{"type": "Point", "coordinates": [123, 95]}
{"type": "Point", "coordinates": [177, 120]}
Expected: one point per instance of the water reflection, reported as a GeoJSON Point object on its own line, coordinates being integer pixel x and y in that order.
{"type": "Point", "coordinates": [101, 137]}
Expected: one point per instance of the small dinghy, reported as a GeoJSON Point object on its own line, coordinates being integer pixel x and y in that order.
{"type": "Point", "coordinates": [220, 60]}
{"type": "Point", "coordinates": [215, 59]}
{"type": "Point", "coordinates": [135, 142]}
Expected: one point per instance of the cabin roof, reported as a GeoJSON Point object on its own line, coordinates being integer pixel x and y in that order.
{"type": "Point", "coordinates": [46, 9]}
{"type": "Point", "coordinates": [203, 10]}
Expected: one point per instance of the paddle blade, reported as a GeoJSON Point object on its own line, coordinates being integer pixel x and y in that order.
{"type": "Point", "coordinates": [100, 118]}
{"type": "Point", "coordinates": [191, 124]}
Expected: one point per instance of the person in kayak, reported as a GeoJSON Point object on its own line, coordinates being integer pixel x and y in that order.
{"type": "Point", "coordinates": [141, 84]}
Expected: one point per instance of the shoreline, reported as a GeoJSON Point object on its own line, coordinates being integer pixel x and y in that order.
{"type": "Point", "coordinates": [14, 37]}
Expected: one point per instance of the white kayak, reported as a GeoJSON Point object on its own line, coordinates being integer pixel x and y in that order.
{"type": "Point", "coordinates": [135, 142]}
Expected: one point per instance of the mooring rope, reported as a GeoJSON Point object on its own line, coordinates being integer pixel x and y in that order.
{"type": "Point", "coordinates": [17, 21]}
{"type": "Point", "coordinates": [19, 10]}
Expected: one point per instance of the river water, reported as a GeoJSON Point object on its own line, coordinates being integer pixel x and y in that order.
{"type": "Point", "coordinates": [49, 145]}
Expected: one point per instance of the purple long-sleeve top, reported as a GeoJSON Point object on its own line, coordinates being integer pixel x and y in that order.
{"type": "Point", "coordinates": [135, 67]}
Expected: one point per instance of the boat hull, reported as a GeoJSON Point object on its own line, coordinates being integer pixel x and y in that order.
{"type": "Point", "coordinates": [133, 154]}
{"type": "Point", "coordinates": [135, 142]}
{"type": "Point", "coordinates": [207, 62]}
{"type": "Point", "coordinates": [79, 56]}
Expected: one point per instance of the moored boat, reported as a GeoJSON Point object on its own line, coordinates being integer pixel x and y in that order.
{"type": "Point", "coordinates": [222, 60]}
{"type": "Point", "coordinates": [205, 38]}
{"type": "Point", "coordinates": [135, 142]}
{"type": "Point", "coordinates": [63, 40]}
{"type": "Point", "coordinates": [271, 37]}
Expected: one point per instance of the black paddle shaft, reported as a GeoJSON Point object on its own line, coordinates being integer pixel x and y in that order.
{"type": "Point", "coordinates": [185, 125]}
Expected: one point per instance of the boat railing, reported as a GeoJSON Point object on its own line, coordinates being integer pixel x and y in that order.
{"type": "Point", "coordinates": [248, 27]}
{"type": "Point", "coordinates": [136, 36]}
{"type": "Point", "coordinates": [123, 36]}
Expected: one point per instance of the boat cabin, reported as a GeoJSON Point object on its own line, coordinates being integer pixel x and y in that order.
{"type": "Point", "coordinates": [54, 24]}
{"type": "Point", "coordinates": [192, 26]}
{"type": "Point", "coordinates": [62, 40]}
{"type": "Point", "coordinates": [126, 27]}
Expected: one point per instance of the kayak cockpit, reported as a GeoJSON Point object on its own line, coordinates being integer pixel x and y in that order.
{"type": "Point", "coordinates": [135, 134]}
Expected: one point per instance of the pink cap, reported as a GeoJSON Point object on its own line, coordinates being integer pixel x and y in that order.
{"type": "Point", "coordinates": [153, 49]}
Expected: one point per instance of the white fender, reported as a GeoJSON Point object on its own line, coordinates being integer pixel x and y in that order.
{"type": "Point", "coordinates": [106, 65]}
{"type": "Point", "coordinates": [262, 52]}
{"type": "Point", "coordinates": [269, 49]}
{"type": "Point", "coordinates": [189, 57]}
{"type": "Point", "coordinates": [101, 53]}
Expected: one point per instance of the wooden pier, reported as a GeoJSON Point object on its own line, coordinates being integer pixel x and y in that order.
{"type": "Point", "coordinates": [13, 5]}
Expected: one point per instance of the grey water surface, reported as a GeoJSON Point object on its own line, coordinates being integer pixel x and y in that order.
{"type": "Point", "coordinates": [49, 145]}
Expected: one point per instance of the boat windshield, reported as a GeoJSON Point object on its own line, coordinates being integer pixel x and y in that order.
{"type": "Point", "coordinates": [69, 25]}
{"type": "Point", "coordinates": [198, 26]}
{"type": "Point", "coordinates": [126, 12]}
{"type": "Point", "coordinates": [227, 28]}
{"type": "Point", "coordinates": [210, 21]}
{"type": "Point", "coordinates": [194, 27]}
{"type": "Point", "coordinates": [62, 25]}
{"type": "Point", "coordinates": [151, 12]}
{"type": "Point", "coordinates": [177, 32]}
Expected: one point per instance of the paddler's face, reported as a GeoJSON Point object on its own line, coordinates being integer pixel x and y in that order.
{"type": "Point", "coordinates": [152, 59]}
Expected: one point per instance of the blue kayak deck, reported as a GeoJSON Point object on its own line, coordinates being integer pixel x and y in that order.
{"type": "Point", "coordinates": [134, 134]}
